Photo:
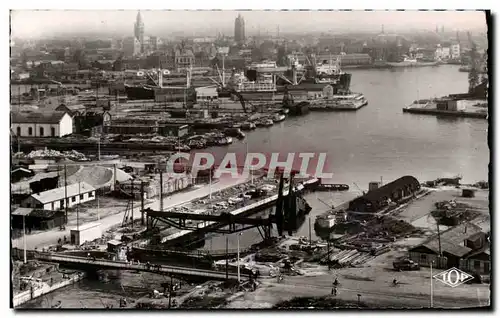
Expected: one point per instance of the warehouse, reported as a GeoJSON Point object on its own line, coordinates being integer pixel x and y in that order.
{"type": "Point", "coordinates": [378, 198]}
{"type": "Point", "coordinates": [54, 199]}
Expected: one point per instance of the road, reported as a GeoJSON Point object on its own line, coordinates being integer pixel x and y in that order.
{"type": "Point", "coordinates": [44, 239]}
{"type": "Point", "coordinates": [371, 292]}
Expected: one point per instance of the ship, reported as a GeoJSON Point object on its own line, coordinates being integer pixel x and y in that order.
{"type": "Point", "coordinates": [328, 221]}
{"type": "Point", "coordinates": [412, 62]}
{"type": "Point", "coordinates": [266, 81]}
{"type": "Point", "coordinates": [156, 91]}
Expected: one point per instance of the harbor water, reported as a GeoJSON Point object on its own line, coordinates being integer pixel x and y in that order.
{"type": "Point", "coordinates": [378, 141]}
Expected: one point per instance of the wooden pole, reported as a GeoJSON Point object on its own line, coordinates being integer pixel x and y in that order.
{"type": "Point", "coordinates": [132, 208]}
{"type": "Point", "coordinates": [227, 259]}
{"type": "Point", "coordinates": [66, 194]}
{"type": "Point", "coordinates": [161, 191]}
{"type": "Point", "coordinates": [142, 202]}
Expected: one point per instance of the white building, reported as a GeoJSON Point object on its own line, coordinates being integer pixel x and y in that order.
{"type": "Point", "coordinates": [41, 124]}
{"type": "Point", "coordinates": [206, 94]}
{"type": "Point", "coordinates": [54, 199]}
{"type": "Point", "coordinates": [455, 51]}
{"type": "Point", "coordinates": [443, 53]}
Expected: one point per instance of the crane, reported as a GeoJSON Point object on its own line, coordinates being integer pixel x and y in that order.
{"type": "Point", "coordinates": [359, 188]}
{"type": "Point", "coordinates": [328, 205]}
{"type": "Point", "coordinates": [231, 90]}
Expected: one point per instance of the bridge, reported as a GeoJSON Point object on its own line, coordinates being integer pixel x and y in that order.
{"type": "Point", "coordinates": [122, 265]}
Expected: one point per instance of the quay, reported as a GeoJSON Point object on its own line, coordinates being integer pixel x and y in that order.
{"type": "Point", "coordinates": [44, 289]}
{"type": "Point", "coordinates": [452, 106]}
{"type": "Point", "coordinates": [451, 113]}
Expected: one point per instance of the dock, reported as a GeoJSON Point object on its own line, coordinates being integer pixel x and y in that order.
{"type": "Point", "coordinates": [450, 113]}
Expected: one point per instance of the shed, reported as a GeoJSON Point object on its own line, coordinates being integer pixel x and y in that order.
{"type": "Point", "coordinates": [42, 124]}
{"type": "Point", "coordinates": [468, 193]}
{"type": "Point", "coordinates": [114, 246]}
{"type": "Point", "coordinates": [85, 233]}
{"type": "Point", "coordinates": [378, 198]}
{"type": "Point", "coordinates": [37, 219]}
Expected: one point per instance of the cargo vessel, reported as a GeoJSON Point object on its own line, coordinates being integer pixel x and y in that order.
{"type": "Point", "coordinates": [412, 62]}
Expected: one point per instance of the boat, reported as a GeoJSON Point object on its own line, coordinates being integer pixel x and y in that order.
{"type": "Point", "coordinates": [154, 89]}
{"type": "Point", "coordinates": [332, 187]}
{"type": "Point", "coordinates": [234, 132]}
{"type": "Point", "coordinates": [264, 123]}
{"type": "Point", "coordinates": [412, 62]}
{"type": "Point", "coordinates": [248, 126]}
{"type": "Point", "coordinates": [329, 220]}
{"type": "Point", "coordinates": [324, 221]}
{"type": "Point", "coordinates": [224, 141]}
{"type": "Point", "coordinates": [278, 118]}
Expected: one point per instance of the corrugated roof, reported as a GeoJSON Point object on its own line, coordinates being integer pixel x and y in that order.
{"type": "Point", "coordinates": [452, 239]}
{"type": "Point", "coordinates": [59, 193]}
{"type": "Point", "coordinates": [22, 211]}
{"type": "Point", "coordinates": [37, 117]}
{"type": "Point", "coordinates": [387, 189]}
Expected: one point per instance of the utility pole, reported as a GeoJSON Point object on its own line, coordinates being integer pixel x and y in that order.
{"type": "Point", "coordinates": [24, 238]}
{"type": "Point", "coordinates": [328, 253]}
{"type": "Point", "coordinates": [78, 210]}
{"type": "Point", "coordinates": [142, 202]}
{"type": "Point", "coordinates": [227, 259]}
{"type": "Point", "coordinates": [432, 302]}
{"type": "Point", "coordinates": [238, 257]}
{"type": "Point", "coordinates": [161, 191]}
{"type": "Point", "coordinates": [66, 194]}
{"type": "Point", "coordinates": [439, 238]}
{"type": "Point", "coordinates": [132, 205]}
{"type": "Point", "coordinates": [310, 237]}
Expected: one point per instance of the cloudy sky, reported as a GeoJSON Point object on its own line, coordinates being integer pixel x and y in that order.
{"type": "Point", "coordinates": [26, 23]}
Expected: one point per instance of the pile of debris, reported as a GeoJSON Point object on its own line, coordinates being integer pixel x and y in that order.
{"type": "Point", "coordinates": [49, 153]}
{"type": "Point", "coordinates": [324, 302]}
{"type": "Point", "coordinates": [451, 213]}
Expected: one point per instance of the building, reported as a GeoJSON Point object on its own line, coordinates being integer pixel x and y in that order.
{"type": "Point", "coordinates": [477, 262]}
{"type": "Point", "coordinates": [454, 244]}
{"type": "Point", "coordinates": [131, 47]}
{"type": "Point", "coordinates": [183, 59]}
{"type": "Point", "coordinates": [379, 198]}
{"type": "Point", "coordinates": [170, 129]}
{"type": "Point", "coordinates": [139, 31]}
{"type": "Point", "coordinates": [455, 51]}
{"type": "Point", "coordinates": [206, 94]}
{"type": "Point", "coordinates": [239, 30]}
{"type": "Point", "coordinates": [154, 43]}
{"type": "Point", "coordinates": [85, 233]}
{"type": "Point", "coordinates": [53, 200]}
{"type": "Point", "coordinates": [37, 219]}
{"type": "Point", "coordinates": [42, 124]}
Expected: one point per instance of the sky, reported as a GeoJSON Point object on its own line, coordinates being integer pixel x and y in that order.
{"type": "Point", "coordinates": [32, 23]}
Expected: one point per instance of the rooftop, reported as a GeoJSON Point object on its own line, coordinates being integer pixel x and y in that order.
{"type": "Point", "coordinates": [59, 193]}
{"type": "Point", "coordinates": [37, 117]}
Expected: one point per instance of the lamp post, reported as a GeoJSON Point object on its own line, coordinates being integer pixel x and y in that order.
{"type": "Point", "coordinates": [24, 238]}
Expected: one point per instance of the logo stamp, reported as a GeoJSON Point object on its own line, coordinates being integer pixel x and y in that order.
{"type": "Point", "coordinates": [453, 277]}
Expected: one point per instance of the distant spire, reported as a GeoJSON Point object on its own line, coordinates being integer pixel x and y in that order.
{"type": "Point", "coordinates": [382, 29]}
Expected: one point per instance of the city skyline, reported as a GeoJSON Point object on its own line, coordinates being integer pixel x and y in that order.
{"type": "Point", "coordinates": [38, 23]}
